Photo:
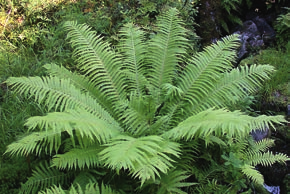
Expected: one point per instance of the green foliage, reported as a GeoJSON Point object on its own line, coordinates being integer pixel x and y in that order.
{"type": "Point", "coordinates": [44, 177]}
{"type": "Point", "coordinates": [282, 27]}
{"type": "Point", "coordinates": [279, 82]}
{"type": "Point", "coordinates": [12, 173]}
{"type": "Point", "coordinates": [229, 6]}
{"type": "Point", "coordinates": [140, 112]}
{"type": "Point", "coordinates": [90, 188]}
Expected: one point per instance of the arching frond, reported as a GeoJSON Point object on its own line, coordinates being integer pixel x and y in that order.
{"type": "Point", "coordinates": [266, 159]}
{"type": "Point", "coordinates": [59, 94]}
{"type": "Point", "coordinates": [91, 188]}
{"type": "Point", "coordinates": [44, 177]}
{"type": "Point", "coordinates": [237, 82]}
{"type": "Point", "coordinates": [172, 182]}
{"type": "Point", "coordinates": [212, 122]}
{"type": "Point", "coordinates": [263, 121]}
{"type": "Point", "coordinates": [53, 124]}
{"type": "Point", "coordinates": [166, 49]}
{"type": "Point", "coordinates": [205, 69]}
{"type": "Point", "coordinates": [35, 143]}
{"type": "Point", "coordinates": [143, 156]}
{"type": "Point", "coordinates": [253, 174]}
{"type": "Point", "coordinates": [200, 75]}
{"type": "Point", "coordinates": [80, 120]}
{"type": "Point", "coordinates": [80, 82]}
{"type": "Point", "coordinates": [78, 158]}
{"type": "Point", "coordinates": [219, 123]}
{"type": "Point", "coordinates": [97, 61]}
{"type": "Point", "coordinates": [261, 146]}
{"type": "Point", "coordinates": [134, 51]}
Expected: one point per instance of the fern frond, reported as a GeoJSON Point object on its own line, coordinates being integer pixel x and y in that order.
{"type": "Point", "coordinates": [263, 121]}
{"type": "Point", "coordinates": [266, 159]}
{"type": "Point", "coordinates": [59, 94]}
{"type": "Point", "coordinates": [80, 120]}
{"type": "Point", "coordinates": [253, 174]}
{"type": "Point", "coordinates": [134, 51]}
{"type": "Point", "coordinates": [53, 124]}
{"type": "Point", "coordinates": [261, 146]}
{"type": "Point", "coordinates": [43, 177]}
{"type": "Point", "coordinates": [200, 75]}
{"type": "Point", "coordinates": [166, 49]}
{"type": "Point", "coordinates": [206, 67]}
{"type": "Point", "coordinates": [212, 122]}
{"type": "Point", "coordinates": [80, 82]}
{"type": "Point", "coordinates": [236, 83]}
{"type": "Point", "coordinates": [171, 92]}
{"type": "Point", "coordinates": [78, 158]}
{"type": "Point", "coordinates": [97, 61]}
{"type": "Point", "coordinates": [172, 182]}
{"type": "Point", "coordinates": [91, 188]}
{"type": "Point", "coordinates": [143, 156]}
{"type": "Point", "coordinates": [35, 142]}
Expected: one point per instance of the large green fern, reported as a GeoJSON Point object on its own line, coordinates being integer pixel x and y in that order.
{"type": "Point", "coordinates": [137, 113]}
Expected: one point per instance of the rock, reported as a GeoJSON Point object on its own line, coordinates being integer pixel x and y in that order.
{"type": "Point", "coordinates": [272, 189]}
{"type": "Point", "coordinates": [266, 31]}
{"type": "Point", "coordinates": [260, 134]}
{"type": "Point", "coordinates": [250, 38]}
{"type": "Point", "coordinates": [254, 34]}
{"type": "Point", "coordinates": [274, 174]}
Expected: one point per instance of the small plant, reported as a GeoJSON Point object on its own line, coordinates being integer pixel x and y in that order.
{"type": "Point", "coordinates": [282, 28]}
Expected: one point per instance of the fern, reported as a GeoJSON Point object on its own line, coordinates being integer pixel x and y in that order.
{"type": "Point", "coordinates": [142, 113]}
{"type": "Point", "coordinates": [134, 51]}
{"type": "Point", "coordinates": [78, 158]}
{"type": "Point", "coordinates": [255, 175]}
{"type": "Point", "coordinates": [44, 177]}
{"type": "Point", "coordinates": [97, 61]}
{"type": "Point", "coordinates": [144, 156]}
{"type": "Point", "coordinates": [172, 182]}
{"type": "Point", "coordinates": [165, 48]}
{"type": "Point", "coordinates": [90, 188]}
